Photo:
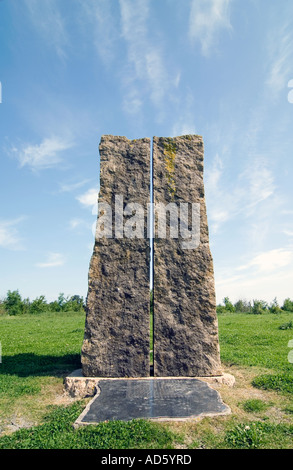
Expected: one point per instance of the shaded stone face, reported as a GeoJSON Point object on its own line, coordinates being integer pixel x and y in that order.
{"type": "Point", "coordinates": [185, 322]}
{"type": "Point", "coordinates": [116, 341]}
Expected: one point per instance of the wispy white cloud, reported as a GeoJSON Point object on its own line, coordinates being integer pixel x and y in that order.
{"type": "Point", "coordinates": [89, 198]}
{"type": "Point", "coordinates": [263, 286]}
{"type": "Point", "coordinates": [49, 22]}
{"type": "Point", "coordinates": [208, 18]}
{"type": "Point", "coordinates": [69, 187]}
{"type": "Point", "coordinates": [183, 126]}
{"type": "Point", "coordinates": [9, 234]}
{"type": "Point", "coordinates": [53, 260]}
{"type": "Point", "coordinates": [241, 196]}
{"type": "Point", "coordinates": [75, 223]}
{"type": "Point", "coordinates": [287, 211]}
{"type": "Point", "coordinates": [289, 233]}
{"type": "Point", "coordinates": [44, 155]}
{"type": "Point", "coordinates": [98, 23]}
{"type": "Point", "coordinates": [145, 73]}
{"type": "Point", "coordinates": [184, 118]}
{"type": "Point", "coordinates": [269, 260]}
{"type": "Point", "coordinates": [280, 56]}
{"type": "Point", "coordinates": [132, 102]}
{"type": "Point", "coordinates": [260, 183]}
{"type": "Point", "coordinates": [266, 274]}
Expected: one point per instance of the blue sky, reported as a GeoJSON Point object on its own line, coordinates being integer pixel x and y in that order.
{"type": "Point", "coordinates": [222, 69]}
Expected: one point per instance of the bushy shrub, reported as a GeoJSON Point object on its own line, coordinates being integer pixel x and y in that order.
{"type": "Point", "coordinates": [229, 307]}
{"type": "Point", "coordinates": [38, 305]}
{"type": "Point", "coordinates": [286, 326]}
{"type": "Point", "coordinates": [75, 303]}
{"type": "Point", "coordinates": [54, 306]}
{"type": "Point", "coordinates": [259, 307]}
{"type": "Point", "coordinates": [221, 309]}
{"type": "Point", "coordinates": [274, 307]}
{"type": "Point", "coordinates": [67, 304]}
{"type": "Point", "coordinates": [288, 305]}
{"type": "Point", "coordinates": [242, 306]}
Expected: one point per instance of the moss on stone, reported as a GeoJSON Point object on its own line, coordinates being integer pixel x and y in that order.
{"type": "Point", "coordinates": [170, 155]}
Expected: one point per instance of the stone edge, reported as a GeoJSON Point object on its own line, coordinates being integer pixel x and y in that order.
{"type": "Point", "coordinates": [76, 385]}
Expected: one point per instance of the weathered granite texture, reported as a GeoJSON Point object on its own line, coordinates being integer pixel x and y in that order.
{"type": "Point", "coordinates": [185, 322]}
{"type": "Point", "coordinates": [116, 341]}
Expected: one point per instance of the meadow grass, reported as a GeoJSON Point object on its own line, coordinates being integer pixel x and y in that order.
{"type": "Point", "coordinates": [256, 340]}
{"type": "Point", "coordinates": [38, 351]}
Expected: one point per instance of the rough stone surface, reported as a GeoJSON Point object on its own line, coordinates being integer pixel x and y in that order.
{"type": "Point", "coordinates": [185, 321]}
{"type": "Point", "coordinates": [116, 341]}
{"type": "Point", "coordinates": [76, 385]}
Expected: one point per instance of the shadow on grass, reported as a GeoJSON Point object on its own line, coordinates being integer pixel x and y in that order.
{"type": "Point", "coordinates": [29, 364]}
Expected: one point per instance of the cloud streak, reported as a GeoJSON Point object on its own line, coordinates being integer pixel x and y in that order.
{"type": "Point", "coordinates": [280, 56]}
{"type": "Point", "coordinates": [269, 261]}
{"type": "Point", "coordinates": [208, 18]}
{"type": "Point", "coordinates": [69, 187]}
{"type": "Point", "coordinates": [9, 237]}
{"type": "Point", "coordinates": [53, 260]}
{"type": "Point", "coordinates": [242, 196]}
{"type": "Point", "coordinates": [48, 21]}
{"type": "Point", "coordinates": [44, 155]}
{"type": "Point", "coordinates": [265, 274]}
{"type": "Point", "coordinates": [145, 73]}
{"type": "Point", "coordinates": [99, 18]}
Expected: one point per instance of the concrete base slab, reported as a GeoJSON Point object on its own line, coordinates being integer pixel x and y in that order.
{"type": "Point", "coordinates": [152, 398]}
{"type": "Point", "coordinates": [76, 385]}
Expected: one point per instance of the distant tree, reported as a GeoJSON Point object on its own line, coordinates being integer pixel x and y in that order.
{"type": "Point", "coordinates": [274, 307]}
{"type": "Point", "coordinates": [74, 303]}
{"type": "Point", "coordinates": [38, 305]}
{"type": "Point", "coordinates": [229, 307]}
{"type": "Point", "coordinates": [259, 307]}
{"type": "Point", "coordinates": [54, 306]}
{"type": "Point", "coordinates": [13, 303]}
{"type": "Point", "coordinates": [26, 306]}
{"type": "Point", "coordinates": [242, 306]}
{"type": "Point", "coordinates": [288, 305]}
{"type": "Point", "coordinates": [61, 301]}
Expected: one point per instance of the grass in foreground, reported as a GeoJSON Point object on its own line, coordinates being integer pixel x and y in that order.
{"type": "Point", "coordinates": [57, 433]}
{"type": "Point", "coordinates": [38, 351]}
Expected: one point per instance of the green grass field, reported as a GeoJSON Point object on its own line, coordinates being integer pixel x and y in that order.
{"type": "Point", "coordinates": [38, 351]}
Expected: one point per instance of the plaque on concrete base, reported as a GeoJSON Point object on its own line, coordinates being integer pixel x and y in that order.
{"type": "Point", "coordinates": [152, 398]}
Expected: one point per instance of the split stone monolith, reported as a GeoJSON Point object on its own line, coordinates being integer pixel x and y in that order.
{"type": "Point", "coordinates": [185, 321]}
{"type": "Point", "coordinates": [117, 333]}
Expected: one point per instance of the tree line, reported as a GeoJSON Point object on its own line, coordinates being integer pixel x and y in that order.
{"type": "Point", "coordinates": [14, 304]}
{"type": "Point", "coordinates": [256, 307]}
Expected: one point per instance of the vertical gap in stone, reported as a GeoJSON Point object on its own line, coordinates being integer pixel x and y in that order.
{"type": "Point", "coordinates": [151, 235]}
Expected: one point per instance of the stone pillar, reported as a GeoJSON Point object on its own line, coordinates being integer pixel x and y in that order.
{"type": "Point", "coordinates": [185, 321]}
{"type": "Point", "coordinates": [116, 341]}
